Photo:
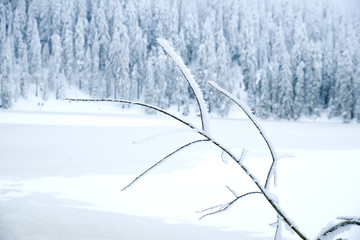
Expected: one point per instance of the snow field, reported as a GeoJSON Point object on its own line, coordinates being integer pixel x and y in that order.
{"type": "Point", "coordinates": [76, 164]}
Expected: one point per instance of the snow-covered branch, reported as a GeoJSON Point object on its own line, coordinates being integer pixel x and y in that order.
{"type": "Point", "coordinates": [248, 113]}
{"type": "Point", "coordinates": [223, 207]}
{"type": "Point", "coordinates": [190, 79]}
{"type": "Point", "coordinates": [347, 222]}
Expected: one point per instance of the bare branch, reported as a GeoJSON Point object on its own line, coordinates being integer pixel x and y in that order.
{"type": "Point", "coordinates": [224, 207]}
{"type": "Point", "coordinates": [252, 119]}
{"type": "Point", "coordinates": [162, 160]}
{"type": "Point", "coordinates": [337, 227]}
{"type": "Point", "coordinates": [266, 194]}
{"type": "Point", "coordinates": [278, 231]}
{"type": "Point", "coordinates": [232, 191]}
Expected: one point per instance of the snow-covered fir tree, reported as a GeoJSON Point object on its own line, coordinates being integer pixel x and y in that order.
{"type": "Point", "coordinates": [34, 54]}
{"type": "Point", "coordinates": [5, 75]}
{"type": "Point", "coordinates": [286, 56]}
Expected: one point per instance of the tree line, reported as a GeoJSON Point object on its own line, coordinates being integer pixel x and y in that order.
{"type": "Point", "coordinates": [287, 59]}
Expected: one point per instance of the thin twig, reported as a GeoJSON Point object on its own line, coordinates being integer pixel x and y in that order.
{"type": "Point", "coordinates": [232, 191]}
{"type": "Point", "coordinates": [348, 221]}
{"type": "Point", "coordinates": [224, 207]}
{"type": "Point", "coordinates": [162, 160]}
{"type": "Point", "coordinates": [278, 229]}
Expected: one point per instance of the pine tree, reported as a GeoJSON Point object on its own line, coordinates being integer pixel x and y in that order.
{"type": "Point", "coordinates": [344, 100]}
{"type": "Point", "coordinates": [55, 17]}
{"type": "Point", "coordinates": [328, 81]}
{"type": "Point", "coordinates": [5, 75]}
{"type": "Point", "coordinates": [149, 85]}
{"type": "Point", "coordinates": [95, 74]}
{"type": "Point", "coordinates": [206, 62]}
{"type": "Point", "coordinates": [233, 33]}
{"type": "Point", "coordinates": [2, 30]}
{"type": "Point", "coordinates": [67, 36]}
{"type": "Point", "coordinates": [160, 76]}
{"type": "Point", "coordinates": [24, 75]}
{"type": "Point", "coordinates": [113, 66]}
{"type": "Point", "coordinates": [86, 73]}
{"type": "Point", "coordinates": [223, 63]}
{"type": "Point", "coordinates": [34, 55]}
{"type": "Point", "coordinates": [247, 58]}
{"type": "Point", "coordinates": [55, 78]}
{"type": "Point", "coordinates": [20, 48]}
{"type": "Point", "coordinates": [313, 76]}
{"type": "Point", "coordinates": [124, 90]}
{"type": "Point", "coordinates": [19, 25]}
{"type": "Point", "coordinates": [357, 94]}
{"type": "Point", "coordinates": [263, 107]}
{"type": "Point", "coordinates": [286, 89]}
{"type": "Point", "coordinates": [79, 48]}
{"type": "Point", "coordinates": [104, 37]}
{"type": "Point", "coordinates": [299, 99]}
{"type": "Point", "coordinates": [190, 27]}
{"type": "Point", "coordinates": [137, 51]}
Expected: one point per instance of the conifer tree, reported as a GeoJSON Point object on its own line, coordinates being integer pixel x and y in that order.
{"type": "Point", "coordinates": [263, 107]}
{"type": "Point", "coordinates": [343, 101]}
{"type": "Point", "coordinates": [5, 75]}
{"type": "Point", "coordinates": [86, 73]}
{"type": "Point", "coordinates": [357, 93]}
{"type": "Point", "coordinates": [113, 66]}
{"type": "Point", "coordinates": [149, 85]}
{"type": "Point", "coordinates": [286, 89]}
{"type": "Point", "coordinates": [95, 75]}
{"type": "Point", "coordinates": [20, 48]}
{"type": "Point", "coordinates": [79, 49]}
{"type": "Point", "coordinates": [299, 92]}
{"type": "Point", "coordinates": [223, 62]}
{"type": "Point", "coordinates": [67, 37]}
{"type": "Point", "coordinates": [313, 74]}
{"type": "Point", "coordinates": [55, 79]}
{"type": "Point", "coordinates": [34, 54]}
{"type": "Point", "coordinates": [55, 17]}
{"type": "Point", "coordinates": [124, 90]}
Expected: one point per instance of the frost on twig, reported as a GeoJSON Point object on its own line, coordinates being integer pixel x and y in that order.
{"type": "Point", "coordinates": [344, 225]}
{"type": "Point", "coordinates": [191, 81]}
{"type": "Point", "coordinates": [278, 232]}
{"type": "Point", "coordinates": [223, 207]}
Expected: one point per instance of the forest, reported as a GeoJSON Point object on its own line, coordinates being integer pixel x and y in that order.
{"type": "Point", "coordinates": [286, 59]}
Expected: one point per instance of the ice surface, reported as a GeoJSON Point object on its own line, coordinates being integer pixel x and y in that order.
{"type": "Point", "coordinates": [59, 172]}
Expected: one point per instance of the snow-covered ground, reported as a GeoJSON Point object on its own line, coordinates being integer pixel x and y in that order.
{"type": "Point", "coordinates": [62, 167]}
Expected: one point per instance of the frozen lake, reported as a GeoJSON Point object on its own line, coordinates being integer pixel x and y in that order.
{"type": "Point", "coordinates": [61, 175]}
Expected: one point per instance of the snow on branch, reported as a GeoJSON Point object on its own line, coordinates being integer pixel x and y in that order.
{"type": "Point", "coordinates": [238, 102]}
{"type": "Point", "coordinates": [191, 81]}
{"type": "Point", "coordinates": [344, 225]}
{"type": "Point", "coordinates": [223, 207]}
{"type": "Point", "coordinates": [161, 161]}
